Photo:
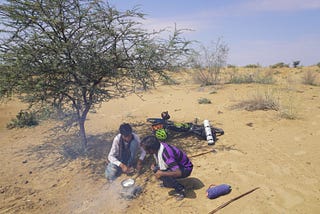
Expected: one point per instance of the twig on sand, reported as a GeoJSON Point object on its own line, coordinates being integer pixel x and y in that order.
{"type": "Point", "coordinates": [236, 198]}
{"type": "Point", "coordinates": [203, 153]}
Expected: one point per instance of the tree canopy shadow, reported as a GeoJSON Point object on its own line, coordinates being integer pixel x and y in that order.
{"type": "Point", "coordinates": [68, 148]}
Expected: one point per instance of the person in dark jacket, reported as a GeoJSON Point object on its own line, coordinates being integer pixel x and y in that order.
{"type": "Point", "coordinates": [171, 164]}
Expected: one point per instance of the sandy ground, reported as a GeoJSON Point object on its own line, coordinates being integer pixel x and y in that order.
{"type": "Point", "coordinates": [41, 173]}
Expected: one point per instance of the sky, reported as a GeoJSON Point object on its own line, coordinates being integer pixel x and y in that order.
{"type": "Point", "coordinates": [263, 32]}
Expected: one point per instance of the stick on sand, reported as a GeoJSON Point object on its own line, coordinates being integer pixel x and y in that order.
{"type": "Point", "coordinates": [234, 199]}
{"type": "Point", "coordinates": [203, 153]}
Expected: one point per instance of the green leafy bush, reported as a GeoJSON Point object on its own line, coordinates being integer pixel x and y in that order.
{"type": "Point", "coordinates": [204, 101]}
{"type": "Point", "coordinates": [252, 66]}
{"type": "Point", "coordinates": [23, 119]}
{"type": "Point", "coordinates": [280, 65]}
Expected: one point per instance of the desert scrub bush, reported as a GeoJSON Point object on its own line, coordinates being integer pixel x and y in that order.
{"type": "Point", "coordinates": [252, 66]}
{"type": "Point", "coordinates": [288, 112]}
{"type": "Point", "coordinates": [260, 100]}
{"type": "Point", "coordinates": [33, 116]}
{"type": "Point", "coordinates": [23, 119]}
{"type": "Point", "coordinates": [280, 65]}
{"type": "Point", "coordinates": [231, 66]}
{"type": "Point", "coordinates": [288, 107]}
{"type": "Point", "coordinates": [204, 101]}
{"type": "Point", "coordinates": [166, 80]}
{"type": "Point", "coordinates": [309, 78]}
{"type": "Point", "coordinates": [240, 79]}
{"type": "Point", "coordinates": [208, 62]}
{"type": "Point", "coordinates": [236, 78]}
{"type": "Point", "coordinates": [264, 77]}
{"type": "Point", "coordinates": [257, 77]}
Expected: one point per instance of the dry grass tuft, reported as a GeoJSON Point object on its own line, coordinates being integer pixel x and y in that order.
{"type": "Point", "coordinates": [260, 101]}
{"type": "Point", "coordinates": [288, 109]}
{"type": "Point", "coordinates": [258, 76]}
{"type": "Point", "coordinates": [310, 78]}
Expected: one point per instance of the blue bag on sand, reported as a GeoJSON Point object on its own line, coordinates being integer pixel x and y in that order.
{"type": "Point", "coordinates": [214, 191]}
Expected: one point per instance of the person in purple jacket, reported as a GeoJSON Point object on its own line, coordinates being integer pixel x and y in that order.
{"type": "Point", "coordinates": [171, 164]}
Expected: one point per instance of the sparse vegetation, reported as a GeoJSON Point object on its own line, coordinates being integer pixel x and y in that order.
{"type": "Point", "coordinates": [167, 80]}
{"type": "Point", "coordinates": [288, 112]}
{"type": "Point", "coordinates": [236, 78]}
{"type": "Point", "coordinates": [23, 119]}
{"type": "Point", "coordinates": [231, 66]}
{"type": "Point", "coordinates": [33, 116]}
{"type": "Point", "coordinates": [208, 62]}
{"type": "Point", "coordinates": [260, 101]}
{"type": "Point", "coordinates": [252, 66]}
{"type": "Point", "coordinates": [204, 101]}
{"type": "Point", "coordinates": [280, 65]}
{"type": "Point", "coordinates": [257, 77]}
{"type": "Point", "coordinates": [295, 63]}
{"type": "Point", "coordinates": [310, 78]}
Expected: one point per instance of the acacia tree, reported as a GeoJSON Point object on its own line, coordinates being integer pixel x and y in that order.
{"type": "Point", "coordinates": [75, 54]}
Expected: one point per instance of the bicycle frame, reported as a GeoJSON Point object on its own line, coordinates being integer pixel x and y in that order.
{"type": "Point", "coordinates": [168, 126]}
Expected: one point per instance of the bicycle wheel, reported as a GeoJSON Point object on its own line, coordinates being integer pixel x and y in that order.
{"type": "Point", "coordinates": [179, 127]}
{"type": "Point", "coordinates": [198, 130]}
{"type": "Point", "coordinates": [217, 131]}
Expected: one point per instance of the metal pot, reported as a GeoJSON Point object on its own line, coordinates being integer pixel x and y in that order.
{"type": "Point", "coordinates": [127, 183]}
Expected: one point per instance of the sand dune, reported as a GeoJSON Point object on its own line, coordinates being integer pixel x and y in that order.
{"type": "Point", "coordinates": [259, 149]}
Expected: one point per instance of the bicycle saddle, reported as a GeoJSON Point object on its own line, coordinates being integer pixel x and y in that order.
{"type": "Point", "coordinates": [165, 115]}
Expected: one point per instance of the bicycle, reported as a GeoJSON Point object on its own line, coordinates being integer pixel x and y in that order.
{"type": "Point", "coordinates": [162, 127]}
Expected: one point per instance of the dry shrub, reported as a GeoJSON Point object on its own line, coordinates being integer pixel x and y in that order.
{"type": "Point", "coordinates": [310, 78]}
{"type": "Point", "coordinates": [265, 100]}
{"type": "Point", "coordinates": [205, 77]}
{"type": "Point", "coordinates": [265, 77]}
{"type": "Point", "coordinates": [204, 101]}
{"type": "Point", "coordinates": [259, 76]}
{"type": "Point", "coordinates": [288, 109]}
{"type": "Point", "coordinates": [288, 113]}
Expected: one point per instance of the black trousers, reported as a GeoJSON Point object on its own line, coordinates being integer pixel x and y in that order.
{"type": "Point", "coordinates": [172, 182]}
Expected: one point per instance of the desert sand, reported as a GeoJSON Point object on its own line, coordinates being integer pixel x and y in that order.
{"type": "Point", "coordinates": [41, 171]}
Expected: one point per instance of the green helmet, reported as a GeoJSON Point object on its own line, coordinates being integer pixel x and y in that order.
{"type": "Point", "coordinates": [161, 134]}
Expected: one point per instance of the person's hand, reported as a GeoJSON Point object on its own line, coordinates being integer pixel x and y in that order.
{"type": "Point", "coordinates": [130, 170]}
{"type": "Point", "coordinates": [158, 174]}
{"type": "Point", "coordinates": [139, 166]}
{"type": "Point", "coordinates": [124, 168]}
{"type": "Point", "coordinates": [152, 167]}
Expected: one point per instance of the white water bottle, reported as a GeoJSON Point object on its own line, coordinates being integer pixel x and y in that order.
{"type": "Point", "coordinates": [208, 132]}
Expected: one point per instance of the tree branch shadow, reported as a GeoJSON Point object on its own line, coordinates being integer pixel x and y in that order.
{"type": "Point", "coordinates": [65, 148]}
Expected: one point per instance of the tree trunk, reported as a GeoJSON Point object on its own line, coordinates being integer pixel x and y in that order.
{"type": "Point", "coordinates": [83, 136]}
{"type": "Point", "coordinates": [82, 119]}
